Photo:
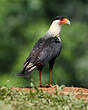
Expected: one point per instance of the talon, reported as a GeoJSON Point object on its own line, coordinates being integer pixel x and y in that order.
{"type": "Point", "coordinates": [49, 85]}
{"type": "Point", "coordinates": [41, 86]}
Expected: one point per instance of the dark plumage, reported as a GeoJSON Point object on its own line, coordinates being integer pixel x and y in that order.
{"type": "Point", "coordinates": [58, 17]}
{"type": "Point", "coordinates": [45, 50]}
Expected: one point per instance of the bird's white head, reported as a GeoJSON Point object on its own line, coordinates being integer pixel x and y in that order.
{"type": "Point", "coordinates": [56, 25]}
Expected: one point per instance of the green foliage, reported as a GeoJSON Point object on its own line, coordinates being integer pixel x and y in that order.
{"type": "Point", "coordinates": [11, 99]}
{"type": "Point", "coordinates": [23, 22]}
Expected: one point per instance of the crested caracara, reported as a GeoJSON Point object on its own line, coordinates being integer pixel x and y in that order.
{"type": "Point", "coordinates": [45, 50]}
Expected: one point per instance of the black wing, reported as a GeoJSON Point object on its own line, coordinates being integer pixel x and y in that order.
{"type": "Point", "coordinates": [30, 63]}
{"type": "Point", "coordinates": [50, 50]}
{"type": "Point", "coordinates": [35, 51]}
{"type": "Point", "coordinates": [44, 50]}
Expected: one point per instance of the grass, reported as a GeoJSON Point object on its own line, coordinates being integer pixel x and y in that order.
{"type": "Point", "coordinates": [38, 100]}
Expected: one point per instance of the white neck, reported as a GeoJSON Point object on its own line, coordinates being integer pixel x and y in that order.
{"type": "Point", "coordinates": [55, 28]}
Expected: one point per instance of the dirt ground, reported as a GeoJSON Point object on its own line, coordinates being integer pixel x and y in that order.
{"type": "Point", "coordinates": [78, 92]}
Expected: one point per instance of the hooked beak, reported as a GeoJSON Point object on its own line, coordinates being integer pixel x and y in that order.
{"type": "Point", "coordinates": [68, 22]}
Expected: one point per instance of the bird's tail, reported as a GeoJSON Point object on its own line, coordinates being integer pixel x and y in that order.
{"type": "Point", "coordinates": [26, 70]}
{"type": "Point", "coordinates": [21, 73]}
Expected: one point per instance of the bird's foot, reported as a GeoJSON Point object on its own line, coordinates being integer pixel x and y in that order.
{"type": "Point", "coordinates": [49, 85]}
{"type": "Point", "coordinates": [41, 86]}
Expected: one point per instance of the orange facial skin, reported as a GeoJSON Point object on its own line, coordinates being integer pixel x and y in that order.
{"type": "Point", "coordinates": [64, 21]}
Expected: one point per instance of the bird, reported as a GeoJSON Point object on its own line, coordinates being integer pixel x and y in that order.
{"type": "Point", "coordinates": [45, 50]}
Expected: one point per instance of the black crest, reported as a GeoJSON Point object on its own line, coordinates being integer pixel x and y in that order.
{"type": "Point", "coordinates": [58, 18]}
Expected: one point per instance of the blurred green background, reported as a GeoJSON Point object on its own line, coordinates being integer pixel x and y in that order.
{"type": "Point", "coordinates": [23, 22]}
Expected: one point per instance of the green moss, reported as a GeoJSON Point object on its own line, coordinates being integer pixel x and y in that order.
{"type": "Point", "coordinates": [38, 100]}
